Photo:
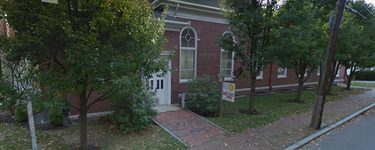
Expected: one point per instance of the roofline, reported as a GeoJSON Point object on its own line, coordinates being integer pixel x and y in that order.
{"type": "Point", "coordinates": [187, 3]}
{"type": "Point", "coordinates": [192, 4]}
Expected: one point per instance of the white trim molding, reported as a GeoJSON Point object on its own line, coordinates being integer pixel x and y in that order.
{"type": "Point", "coordinates": [195, 49]}
{"type": "Point", "coordinates": [285, 75]}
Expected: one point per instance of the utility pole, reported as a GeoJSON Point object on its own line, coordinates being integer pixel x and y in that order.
{"type": "Point", "coordinates": [317, 114]}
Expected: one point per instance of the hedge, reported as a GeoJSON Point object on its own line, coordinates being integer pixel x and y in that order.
{"type": "Point", "coordinates": [365, 75]}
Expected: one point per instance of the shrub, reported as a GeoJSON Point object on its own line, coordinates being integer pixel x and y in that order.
{"type": "Point", "coordinates": [365, 75]}
{"type": "Point", "coordinates": [134, 111]}
{"type": "Point", "coordinates": [203, 96]}
{"type": "Point", "coordinates": [21, 113]}
{"type": "Point", "coordinates": [8, 96]}
{"type": "Point", "coordinates": [55, 109]}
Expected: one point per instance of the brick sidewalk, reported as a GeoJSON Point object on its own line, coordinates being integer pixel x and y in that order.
{"type": "Point", "coordinates": [288, 130]}
{"type": "Point", "coordinates": [188, 127]}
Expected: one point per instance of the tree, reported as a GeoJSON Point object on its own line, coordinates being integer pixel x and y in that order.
{"type": "Point", "coordinates": [252, 22]}
{"type": "Point", "coordinates": [85, 47]}
{"type": "Point", "coordinates": [298, 44]}
{"type": "Point", "coordinates": [357, 52]}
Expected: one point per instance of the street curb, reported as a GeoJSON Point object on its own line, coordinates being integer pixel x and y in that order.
{"type": "Point", "coordinates": [327, 129]}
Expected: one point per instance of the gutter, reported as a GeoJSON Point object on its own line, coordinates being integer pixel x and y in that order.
{"type": "Point", "coordinates": [178, 22]}
{"type": "Point", "coordinates": [192, 4]}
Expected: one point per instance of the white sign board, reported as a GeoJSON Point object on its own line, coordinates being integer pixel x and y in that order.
{"type": "Point", "coordinates": [50, 1]}
{"type": "Point", "coordinates": [229, 91]}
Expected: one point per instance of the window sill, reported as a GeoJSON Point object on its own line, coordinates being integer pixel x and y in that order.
{"type": "Point", "coordinates": [185, 81]}
{"type": "Point", "coordinates": [229, 79]}
{"type": "Point", "coordinates": [259, 78]}
{"type": "Point", "coordinates": [282, 77]}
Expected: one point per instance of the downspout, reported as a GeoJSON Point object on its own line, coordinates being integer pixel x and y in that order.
{"type": "Point", "coordinates": [270, 79]}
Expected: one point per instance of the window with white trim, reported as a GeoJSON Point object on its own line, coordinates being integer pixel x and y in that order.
{"type": "Point", "coordinates": [338, 73]}
{"type": "Point", "coordinates": [318, 71]}
{"type": "Point", "coordinates": [260, 75]}
{"type": "Point", "coordinates": [227, 60]}
{"type": "Point", "coordinates": [188, 52]}
{"type": "Point", "coordinates": [282, 72]}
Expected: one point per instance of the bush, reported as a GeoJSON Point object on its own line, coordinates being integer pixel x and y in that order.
{"type": "Point", "coordinates": [135, 111]}
{"type": "Point", "coordinates": [55, 111]}
{"type": "Point", "coordinates": [8, 96]}
{"type": "Point", "coordinates": [365, 75]}
{"type": "Point", "coordinates": [203, 96]}
{"type": "Point", "coordinates": [21, 114]}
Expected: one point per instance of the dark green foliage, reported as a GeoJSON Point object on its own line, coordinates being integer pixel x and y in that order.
{"type": "Point", "coordinates": [252, 23]}
{"type": "Point", "coordinates": [55, 111]}
{"type": "Point", "coordinates": [84, 46]}
{"type": "Point", "coordinates": [203, 96]}
{"type": "Point", "coordinates": [133, 107]}
{"type": "Point", "coordinates": [365, 75]}
{"type": "Point", "coordinates": [8, 96]}
{"type": "Point", "coordinates": [21, 113]}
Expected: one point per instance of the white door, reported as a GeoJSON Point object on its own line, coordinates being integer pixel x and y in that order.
{"type": "Point", "coordinates": [161, 84]}
{"type": "Point", "coordinates": [158, 84]}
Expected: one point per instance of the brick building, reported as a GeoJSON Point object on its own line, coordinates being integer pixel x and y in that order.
{"type": "Point", "coordinates": [192, 30]}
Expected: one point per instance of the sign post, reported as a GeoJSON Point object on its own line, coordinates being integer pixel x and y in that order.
{"type": "Point", "coordinates": [31, 124]}
{"type": "Point", "coordinates": [221, 80]}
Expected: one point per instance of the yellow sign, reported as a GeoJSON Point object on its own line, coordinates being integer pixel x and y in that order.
{"type": "Point", "coordinates": [229, 91]}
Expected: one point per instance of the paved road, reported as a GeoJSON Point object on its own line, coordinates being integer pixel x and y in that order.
{"type": "Point", "coordinates": [357, 135]}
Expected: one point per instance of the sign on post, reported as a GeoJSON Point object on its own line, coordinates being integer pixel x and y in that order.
{"type": "Point", "coordinates": [50, 1]}
{"type": "Point", "coordinates": [31, 125]}
{"type": "Point", "coordinates": [229, 91]}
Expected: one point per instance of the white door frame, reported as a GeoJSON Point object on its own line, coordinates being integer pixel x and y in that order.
{"type": "Point", "coordinates": [168, 79]}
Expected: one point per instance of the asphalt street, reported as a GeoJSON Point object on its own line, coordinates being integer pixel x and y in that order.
{"type": "Point", "coordinates": [357, 135]}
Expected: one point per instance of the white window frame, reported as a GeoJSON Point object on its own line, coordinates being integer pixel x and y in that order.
{"type": "Point", "coordinates": [318, 71]}
{"type": "Point", "coordinates": [188, 48]}
{"type": "Point", "coordinates": [260, 76]}
{"type": "Point", "coordinates": [283, 75]}
{"type": "Point", "coordinates": [231, 77]}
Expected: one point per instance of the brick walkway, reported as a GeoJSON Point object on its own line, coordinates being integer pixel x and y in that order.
{"type": "Point", "coordinates": [188, 127]}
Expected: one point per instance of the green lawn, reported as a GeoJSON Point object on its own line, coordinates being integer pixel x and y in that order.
{"type": "Point", "coordinates": [271, 107]}
{"type": "Point", "coordinates": [370, 85]}
{"type": "Point", "coordinates": [104, 135]}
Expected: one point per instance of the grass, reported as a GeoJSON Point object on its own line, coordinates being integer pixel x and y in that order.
{"type": "Point", "coordinates": [103, 135]}
{"type": "Point", "coordinates": [370, 85]}
{"type": "Point", "coordinates": [18, 138]}
{"type": "Point", "coordinates": [271, 107]}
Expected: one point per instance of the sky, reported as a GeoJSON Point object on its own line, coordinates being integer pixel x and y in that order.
{"type": "Point", "coordinates": [370, 1]}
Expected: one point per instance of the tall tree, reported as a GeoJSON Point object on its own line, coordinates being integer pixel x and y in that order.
{"type": "Point", "coordinates": [84, 46]}
{"type": "Point", "coordinates": [300, 35]}
{"type": "Point", "coordinates": [356, 42]}
{"type": "Point", "coordinates": [252, 22]}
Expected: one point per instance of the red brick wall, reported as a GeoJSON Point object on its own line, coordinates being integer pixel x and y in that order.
{"type": "Point", "coordinates": [208, 59]}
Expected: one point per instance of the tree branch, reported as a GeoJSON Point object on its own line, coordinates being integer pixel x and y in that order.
{"type": "Point", "coordinates": [71, 105]}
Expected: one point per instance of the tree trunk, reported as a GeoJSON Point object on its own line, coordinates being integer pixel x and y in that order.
{"type": "Point", "coordinates": [83, 121]}
{"type": "Point", "coordinates": [333, 73]}
{"type": "Point", "coordinates": [349, 82]}
{"type": "Point", "coordinates": [251, 109]}
{"type": "Point", "coordinates": [316, 118]}
{"type": "Point", "coordinates": [300, 89]}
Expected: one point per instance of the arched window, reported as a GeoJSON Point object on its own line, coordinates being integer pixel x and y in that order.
{"type": "Point", "coordinates": [227, 59]}
{"type": "Point", "coordinates": [188, 53]}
